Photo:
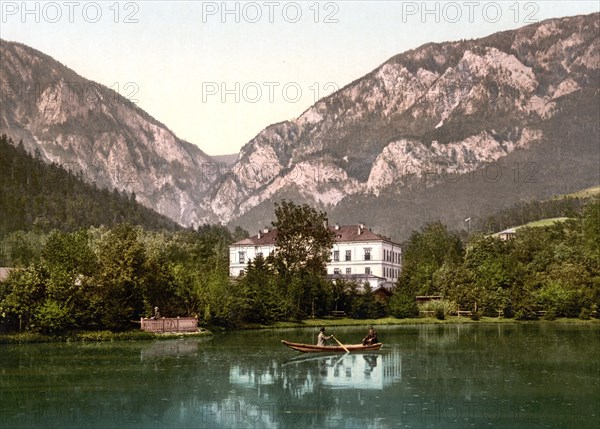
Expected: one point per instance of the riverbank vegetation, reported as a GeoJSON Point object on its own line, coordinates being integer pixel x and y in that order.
{"type": "Point", "coordinates": [101, 279]}
{"type": "Point", "coordinates": [550, 271]}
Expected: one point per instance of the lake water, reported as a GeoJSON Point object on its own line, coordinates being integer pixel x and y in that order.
{"type": "Point", "coordinates": [446, 376]}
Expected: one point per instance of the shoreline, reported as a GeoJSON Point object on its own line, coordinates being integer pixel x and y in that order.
{"type": "Point", "coordinates": [95, 336]}
{"type": "Point", "coordinates": [391, 321]}
{"type": "Point", "coordinates": [138, 335]}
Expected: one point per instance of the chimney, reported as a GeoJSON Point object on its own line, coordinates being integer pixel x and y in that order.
{"type": "Point", "coordinates": [266, 230]}
{"type": "Point", "coordinates": [337, 226]}
{"type": "Point", "coordinates": [361, 226]}
{"type": "Point", "coordinates": [325, 223]}
{"type": "Point", "coordinates": [259, 234]}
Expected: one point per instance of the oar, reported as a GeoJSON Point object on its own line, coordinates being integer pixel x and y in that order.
{"type": "Point", "coordinates": [341, 345]}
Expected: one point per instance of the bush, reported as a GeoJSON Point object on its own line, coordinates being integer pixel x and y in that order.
{"type": "Point", "coordinates": [526, 313]}
{"type": "Point", "coordinates": [439, 313]}
{"type": "Point", "coordinates": [441, 308]}
{"type": "Point", "coordinates": [403, 305]}
{"type": "Point", "coordinates": [585, 314]}
{"type": "Point", "coordinates": [53, 318]}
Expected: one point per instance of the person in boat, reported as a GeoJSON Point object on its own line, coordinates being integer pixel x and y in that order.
{"type": "Point", "coordinates": [322, 338]}
{"type": "Point", "coordinates": [371, 337]}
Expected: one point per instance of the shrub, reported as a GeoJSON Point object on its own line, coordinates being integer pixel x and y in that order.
{"type": "Point", "coordinates": [585, 314]}
{"type": "Point", "coordinates": [403, 305]}
{"type": "Point", "coordinates": [441, 308]}
{"type": "Point", "coordinates": [526, 313]}
{"type": "Point", "coordinates": [53, 318]}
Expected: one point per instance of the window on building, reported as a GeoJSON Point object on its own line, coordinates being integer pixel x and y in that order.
{"type": "Point", "coordinates": [367, 270]}
{"type": "Point", "coordinates": [336, 271]}
{"type": "Point", "coordinates": [336, 255]}
{"type": "Point", "coordinates": [367, 254]}
{"type": "Point", "coordinates": [242, 257]}
{"type": "Point", "coordinates": [348, 270]}
{"type": "Point", "coordinates": [348, 255]}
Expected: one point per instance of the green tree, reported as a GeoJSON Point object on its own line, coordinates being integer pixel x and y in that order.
{"type": "Point", "coordinates": [260, 291]}
{"type": "Point", "coordinates": [302, 250]}
{"type": "Point", "coordinates": [119, 281]}
{"type": "Point", "coordinates": [21, 297]}
{"type": "Point", "coordinates": [403, 304]}
{"type": "Point", "coordinates": [494, 272]}
{"type": "Point", "coordinates": [303, 240]}
{"type": "Point", "coordinates": [424, 253]}
{"type": "Point", "coordinates": [366, 306]}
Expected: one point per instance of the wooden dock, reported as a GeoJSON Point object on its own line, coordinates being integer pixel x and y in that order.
{"type": "Point", "coordinates": [166, 324]}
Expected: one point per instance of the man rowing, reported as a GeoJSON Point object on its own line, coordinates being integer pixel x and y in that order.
{"type": "Point", "coordinates": [322, 338]}
{"type": "Point", "coordinates": [371, 337]}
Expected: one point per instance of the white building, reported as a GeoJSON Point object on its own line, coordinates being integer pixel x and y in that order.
{"type": "Point", "coordinates": [357, 254]}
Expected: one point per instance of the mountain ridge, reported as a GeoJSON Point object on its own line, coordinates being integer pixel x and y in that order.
{"type": "Point", "coordinates": [398, 133]}
{"type": "Point", "coordinates": [120, 146]}
{"type": "Point", "coordinates": [479, 90]}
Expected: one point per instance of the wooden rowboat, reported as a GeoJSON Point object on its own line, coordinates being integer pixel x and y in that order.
{"type": "Point", "coordinates": [311, 348]}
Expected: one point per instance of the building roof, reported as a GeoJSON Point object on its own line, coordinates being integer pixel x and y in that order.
{"type": "Point", "coordinates": [342, 234]}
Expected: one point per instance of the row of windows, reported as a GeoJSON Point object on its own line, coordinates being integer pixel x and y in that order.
{"type": "Point", "coordinates": [349, 270]}
{"type": "Point", "coordinates": [391, 256]}
{"type": "Point", "coordinates": [388, 255]}
{"type": "Point", "coordinates": [390, 272]}
{"type": "Point", "coordinates": [387, 272]}
{"type": "Point", "coordinates": [242, 256]}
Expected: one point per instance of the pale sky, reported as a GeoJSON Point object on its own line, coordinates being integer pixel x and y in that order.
{"type": "Point", "coordinates": [217, 73]}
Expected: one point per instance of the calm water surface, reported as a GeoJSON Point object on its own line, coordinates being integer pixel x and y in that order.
{"type": "Point", "coordinates": [452, 376]}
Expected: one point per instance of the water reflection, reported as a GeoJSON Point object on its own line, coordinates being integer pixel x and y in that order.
{"type": "Point", "coordinates": [442, 377]}
{"type": "Point", "coordinates": [305, 374]}
{"type": "Point", "coordinates": [165, 348]}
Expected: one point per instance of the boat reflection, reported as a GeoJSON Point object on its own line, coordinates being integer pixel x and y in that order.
{"type": "Point", "coordinates": [306, 373]}
{"type": "Point", "coordinates": [361, 371]}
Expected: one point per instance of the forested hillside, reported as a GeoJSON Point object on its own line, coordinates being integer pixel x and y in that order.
{"type": "Point", "coordinates": [36, 195]}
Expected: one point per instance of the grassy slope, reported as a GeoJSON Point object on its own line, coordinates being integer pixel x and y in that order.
{"type": "Point", "coordinates": [584, 193]}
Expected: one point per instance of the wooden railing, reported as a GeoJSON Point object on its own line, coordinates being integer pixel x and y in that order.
{"type": "Point", "coordinates": [165, 324]}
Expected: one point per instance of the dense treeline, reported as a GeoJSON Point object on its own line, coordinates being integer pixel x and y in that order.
{"type": "Point", "coordinates": [551, 271]}
{"type": "Point", "coordinates": [43, 196]}
{"type": "Point", "coordinates": [103, 278]}
{"type": "Point", "coordinates": [520, 214]}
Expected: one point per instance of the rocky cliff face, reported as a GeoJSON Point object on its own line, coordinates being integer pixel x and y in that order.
{"type": "Point", "coordinates": [377, 148]}
{"type": "Point", "coordinates": [93, 130]}
{"type": "Point", "coordinates": [442, 110]}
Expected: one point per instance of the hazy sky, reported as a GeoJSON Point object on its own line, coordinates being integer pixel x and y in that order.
{"type": "Point", "coordinates": [217, 73]}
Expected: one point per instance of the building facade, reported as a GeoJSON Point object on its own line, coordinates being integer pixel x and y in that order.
{"type": "Point", "coordinates": [357, 254]}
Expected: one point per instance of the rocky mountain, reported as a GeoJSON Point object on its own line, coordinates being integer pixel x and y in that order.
{"type": "Point", "coordinates": [91, 129]}
{"type": "Point", "coordinates": [404, 143]}
{"type": "Point", "coordinates": [442, 132]}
